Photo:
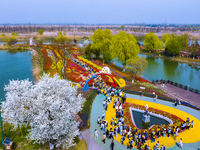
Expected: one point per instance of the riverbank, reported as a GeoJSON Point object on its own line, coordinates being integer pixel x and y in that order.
{"type": "Point", "coordinates": [185, 60]}
{"type": "Point", "coordinates": [14, 48]}
{"type": "Point", "coordinates": [37, 71]}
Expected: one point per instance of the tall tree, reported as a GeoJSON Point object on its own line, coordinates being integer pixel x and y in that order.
{"type": "Point", "coordinates": [136, 66]}
{"type": "Point", "coordinates": [89, 51]}
{"type": "Point", "coordinates": [59, 33]}
{"type": "Point", "coordinates": [165, 37]}
{"type": "Point", "coordinates": [184, 41]}
{"type": "Point", "coordinates": [11, 40]}
{"type": "Point", "coordinates": [123, 47]}
{"type": "Point", "coordinates": [61, 39]}
{"type": "Point", "coordinates": [173, 45]}
{"type": "Point", "coordinates": [14, 34]}
{"type": "Point", "coordinates": [102, 40]}
{"type": "Point", "coordinates": [40, 32]}
{"type": "Point", "coordinates": [194, 48]}
{"type": "Point", "coordinates": [46, 107]}
{"type": "Point", "coordinates": [152, 42]}
{"type": "Point", "coordinates": [122, 27]}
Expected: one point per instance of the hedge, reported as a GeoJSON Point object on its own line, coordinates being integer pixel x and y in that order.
{"type": "Point", "coordinates": [85, 114]}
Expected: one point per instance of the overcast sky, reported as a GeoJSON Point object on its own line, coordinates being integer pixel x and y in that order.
{"type": "Point", "coordinates": [100, 11]}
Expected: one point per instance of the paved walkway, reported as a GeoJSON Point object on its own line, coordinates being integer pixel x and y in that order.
{"type": "Point", "coordinates": [89, 140]}
{"type": "Point", "coordinates": [185, 95]}
{"type": "Point", "coordinates": [97, 108]}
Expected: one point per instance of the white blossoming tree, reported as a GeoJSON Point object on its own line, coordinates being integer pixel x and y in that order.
{"type": "Point", "coordinates": [48, 107]}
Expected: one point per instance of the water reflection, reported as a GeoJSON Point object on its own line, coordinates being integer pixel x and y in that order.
{"type": "Point", "coordinates": [16, 51]}
{"type": "Point", "coordinates": [159, 68]}
{"type": "Point", "coordinates": [170, 68]}
{"type": "Point", "coordinates": [191, 75]}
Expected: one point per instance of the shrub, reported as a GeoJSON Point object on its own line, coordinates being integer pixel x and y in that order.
{"type": "Point", "coordinates": [85, 114]}
{"type": "Point", "coordinates": [14, 34]}
{"type": "Point", "coordinates": [40, 31]}
{"type": "Point", "coordinates": [11, 41]}
{"type": "Point", "coordinates": [3, 34]}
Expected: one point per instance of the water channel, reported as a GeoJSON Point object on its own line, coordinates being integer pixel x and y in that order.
{"type": "Point", "coordinates": [14, 66]}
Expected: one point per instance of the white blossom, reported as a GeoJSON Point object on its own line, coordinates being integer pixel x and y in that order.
{"type": "Point", "coordinates": [48, 107]}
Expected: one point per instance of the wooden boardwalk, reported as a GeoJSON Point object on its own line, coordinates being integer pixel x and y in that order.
{"type": "Point", "coordinates": [183, 94]}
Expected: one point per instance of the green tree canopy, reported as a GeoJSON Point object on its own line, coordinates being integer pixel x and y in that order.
{"type": "Point", "coordinates": [85, 37]}
{"type": "Point", "coordinates": [59, 33]}
{"type": "Point", "coordinates": [184, 41]}
{"type": "Point", "coordinates": [12, 41]}
{"type": "Point", "coordinates": [3, 34]}
{"type": "Point", "coordinates": [101, 41]}
{"type": "Point", "coordinates": [195, 48]}
{"type": "Point", "coordinates": [152, 42]}
{"type": "Point", "coordinates": [89, 51]}
{"type": "Point", "coordinates": [165, 38]}
{"type": "Point", "coordinates": [61, 39]}
{"type": "Point", "coordinates": [173, 45]}
{"type": "Point", "coordinates": [14, 34]}
{"type": "Point", "coordinates": [136, 66]}
{"type": "Point", "coordinates": [122, 27]}
{"type": "Point", "coordinates": [123, 47]}
{"type": "Point", "coordinates": [117, 28]}
{"type": "Point", "coordinates": [40, 31]}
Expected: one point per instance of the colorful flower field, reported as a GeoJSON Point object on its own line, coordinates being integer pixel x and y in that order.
{"type": "Point", "coordinates": [149, 90]}
{"type": "Point", "coordinates": [55, 61]}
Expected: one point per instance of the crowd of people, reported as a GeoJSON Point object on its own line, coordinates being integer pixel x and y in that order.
{"type": "Point", "coordinates": [117, 126]}
{"type": "Point", "coordinates": [83, 65]}
{"type": "Point", "coordinates": [134, 136]}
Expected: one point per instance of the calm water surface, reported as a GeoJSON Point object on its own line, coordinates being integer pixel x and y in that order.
{"type": "Point", "coordinates": [14, 66]}
{"type": "Point", "coordinates": [185, 74]}
{"type": "Point", "coordinates": [181, 73]}
{"type": "Point", "coordinates": [153, 120]}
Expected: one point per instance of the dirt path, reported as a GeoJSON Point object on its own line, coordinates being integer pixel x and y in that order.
{"type": "Point", "coordinates": [36, 67]}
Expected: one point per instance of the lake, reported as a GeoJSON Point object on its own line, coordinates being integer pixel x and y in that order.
{"type": "Point", "coordinates": [181, 73]}
{"type": "Point", "coordinates": [14, 66]}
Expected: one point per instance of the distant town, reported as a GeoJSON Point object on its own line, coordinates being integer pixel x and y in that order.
{"type": "Point", "coordinates": [87, 30]}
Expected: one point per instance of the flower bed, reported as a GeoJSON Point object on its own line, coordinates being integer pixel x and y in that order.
{"type": "Point", "coordinates": [148, 89]}
{"type": "Point", "coordinates": [54, 62]}
{"type": "Point", "coordinates": [46, 60]}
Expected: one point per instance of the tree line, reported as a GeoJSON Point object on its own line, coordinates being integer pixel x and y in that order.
{"type": "Point", "coordinates": [171, 43]}
{"type": "Point", "coordinates": [122, 47]}
{"type": "Point", "coordinates": [87, 28]}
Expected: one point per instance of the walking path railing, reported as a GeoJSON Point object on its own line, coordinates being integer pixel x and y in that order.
{"type": "Point", "coordinates": [186, 87]}
{"type": "Point", "coordinates": [160, 97]}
